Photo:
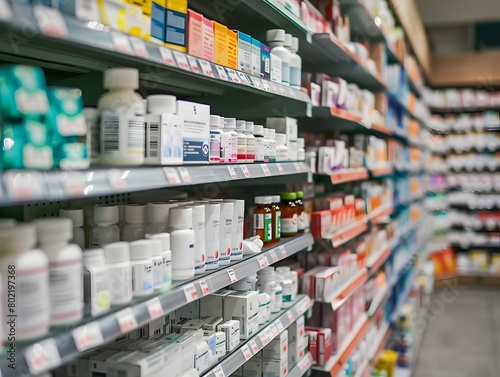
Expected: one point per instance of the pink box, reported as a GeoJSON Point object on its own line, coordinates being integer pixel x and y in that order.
{"type": "Point", "coordinates": [208, 39]}
{"type": "Point", "coordinates": [195, 34]}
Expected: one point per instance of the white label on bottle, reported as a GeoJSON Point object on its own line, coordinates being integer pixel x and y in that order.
{"type": "Point", "coordinates": [263, 262]}
{"type": "Point", "coordinates": [232, 172]}
{"type": "Point", "coordinates": [274, 257]}
{"type": "Point", "coordinates": [123, 131]}
{"type": "Point", "coordinates": [87, 336]}
{"type": "Point", "coordinates": [139, 48]}
{"type": "Point", "coordinates": [218, 371]}
{"type": "Point", "coordinates": [290, 224]}
{"type": "Point", "coordinates": [233, 75]}
{"type": "Point", "coordinates": [154, 308]}
{"type": "Point", "coordinates": [167, 56]}
{"type": "Point", "coordinates": [42, 356]}
{"type": "Point", "coordinates": [246, 352]}
{"type": "Point", "coordinates": [190, 292]}
{"type": "Point", "coordinates": [232, 276]}
{"type": "Point", "coordinates": [126, 320]}
{"type": "Point", "coordinates": [254, 346]}
{"type": "Point", "coordinates": [50, 21]}
{"type": "Point", "coordinates": [181, 60]}
{"type": "Point", "coordinates": [280, 168]}
{"type": "Point", "coordinates": [206, 68]}
{"type": "Point", "coordinates": [121, 43]}
{"type": "Point", "coordinates": [66, 291]}
{"type": "Point", "coordinates": [245, 171]}
{"type": "Point", "coordinates": [185, 176]}
{"type": "Point", "coordinates": [205, 290]}
{"type": "Point", "coordinates": [193, 64]}
{"type": "Point", "coordinates": [172, 175]}
{"type": "Point", "coordinates": [259, 149]}
{"type": "Point", "coordinates": [221, 72]}
{"type": "Point", "coordinates": [265, 169]}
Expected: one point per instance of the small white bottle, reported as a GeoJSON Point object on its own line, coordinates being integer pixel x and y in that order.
{"type": "Point", "coordinates": [182, 242]}
{"type": "Point", "coordinates": [292, 45]}
{"type": "Point", "coordinates": [141, 259]}
{"type": "Point", "coordinates": [258, 133]}
{"type": "Point", "coordinates": [226, 229]}
{"type": "Point", "coordinates": [65, 270]}
{"type": "Point", "coordinates": [241, 141]}
{"type": "Point", "coordinates": [157, 258]}
{"type": "Point", "coordinates": [96, 294]}
{"type": "Point", "coordinates": [267, 145]}
{"type": "Point", "coordinates": [271, 133]}
{"type": "Point", "coordinates": [250, 141]}
{"type": "Point", "coordinates": [276, 40]}
{"type": "Point", "coordinates": [105, 230]}
{"type": "Point", "coordinates": [264, 307]}
{"type": "Point", "coordinates": [212, 235]}
{"type": "Point", "coordinates": [117, 257]}
{"type": "Point", "coordinates": [202, 357]}
{"type": "Point", "coordinates": [122, 125]}
{"type": "Point", "coordinates": [301, 152]}
{"type": "Point", "coordinates": [215, 139]}
{"type": "Point", "coordinates": [166, 255]}
{"type": "Point", "coordinates": [199, 238]}
{"type": "Point", "coordinates": [237, 231]}
{"type": "Point", "coordinates": [157, 216]}
{"type": "Point", "coordinates": [135, 222]}
{"type": "Point", "coordinates": [281, 148]}
{"type": "Point", "coordinates": [229, 141]}
{"type": "Point", "coordinates": [76, 217]}
{"type": "Point", "coordinates": [31, 270]}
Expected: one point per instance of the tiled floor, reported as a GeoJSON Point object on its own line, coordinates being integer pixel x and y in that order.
{"type": "Point", "coordinates": [462, 338]}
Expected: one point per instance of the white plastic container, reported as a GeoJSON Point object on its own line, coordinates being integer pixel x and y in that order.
{"type": "Point", "coordinates": [287, 285]}
{"type": "Point", "coordinates": [292, 45]}
{"type": "Point", "coordinates": [267, 144]}
{"type": "Point", "coordinates": [215, 139]}
{"type": "Point", "coordinates": [117, 257]}
{"type": "Point", "coordinates": [250, 141]}
{"type": "Point", "coordinates": [258, 133]}
{"type": "Point", "coordinates": [76, 217]}
{"type": "Point", "coordinates": [166, 255]}
{"type": "Point", "coordinates": [65, 270]}
{"type": "Point", "coordinates": [301, 152]}
{"type": "Point", "coordinates": [122, 123]}
{"type": "Point", "coordinates": [212, 235]}
{"type": "Point", "coordinates": [135, 222]}
{"type": "Point", "coordinates": [96, 294]}
{"type": "Point", "coordinates": [105, 230]}
{"type": "Point", "coordinates": [141, 259]}
{"type": "Point", "coordinates": [31, 270]}
{"type": "Point", "coordinates": [266, 283]}
{"type": "Point", "coordinates": [264, 307]}
{"type": "Point", "coordinates": [182, 242]}
{"type": "Point", "coordinates": [229, 141]}
{"type": "Point", "coordinates": [199, 238]}
{"type": "Point", "coordinates": [241, 153]}
{"type": "Point", "coordinates": [281, 148]}
{"type": "Point", "coordinates": [237, 231]}
{"type": "Point", "coordinates": [271, 134]}
{"type": "Point", "coordinates": [276, 40]}
{"type": "Point", "coordinates": [157, 216]}
{"type": "Point", "coordinates": [226, 230]}
{"type": "Point", "coordinates": [157, 259]}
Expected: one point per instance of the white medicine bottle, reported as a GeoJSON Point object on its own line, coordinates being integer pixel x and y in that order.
{"type": "Point", "coordinates": [142, 268]}
{"type": "Point", "coordinates": [157, 216]}
{"type": "Point", "coordinates": [199, 238]}
{"type": "Point", "coordinates": [267, 145]}
{"type": "Point", "coordinates": [271, 134]}
{"type": "Point", "coordinates": [106, 228]}
{"type": "Point", "coordinates": [229, 141]}
{"type": "Point", "coordinates": [76, 217]}
{"type": "Point", "coordinates": [157, 259]}
{"type": "Point", "coordinates": [166, 255]}
{"type": "Point", "coordinates": [281, 148]}
{"type": "Point", "coordinates": [250, 141]}
{"type": "Point", "coordinates": [241, 141]}
{"type": "Point", "coordinates": [258, 133]}
{"type": "Point", "coordinates": [226, 232]}
{"type": "Point", "coordinates": [31, 270]}
{"type": "Point", "coordinates": [212, 235]}
{"type": "Point", "coordinates": [122, 124]}
{"type": "Point", "coordinates": [215, 139]}
{"type": "Point", "coordinates": [182, 242]}
{"type": "Point", "coordinates": [135, 222]}
{"type": "Point", "coordinates": [276, 40]}
{"type": "Point", "coordinates": [292, 45]}
{"type": "Point", "coordinates": [96, 295]}
{"type": "Point", "coordinates": [117, 257]}
{"type": "Point", "coordinates": [65, 270]}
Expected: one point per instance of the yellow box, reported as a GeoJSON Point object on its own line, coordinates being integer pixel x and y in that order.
{"type": "Point", "coordinates": [176, 24]}
{"type": "Point", "coordinates": [125, 17]}
{"type": "Point", "coordinates": [232, 49]}
{"type": "Point", "coordinates": [220, 44]}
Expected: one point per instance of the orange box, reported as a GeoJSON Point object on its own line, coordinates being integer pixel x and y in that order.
{"type": "Point", "coordinates": [220, 43]}
{"type": "Point", "coordinates": [232, 49]}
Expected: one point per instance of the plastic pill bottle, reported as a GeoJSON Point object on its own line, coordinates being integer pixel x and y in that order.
{"type": "Point", "coordinates": [301, 214]}
{"type": "Point", "coordinates": [276, 40]}
{"type": "Point", "coordinates": [157, 216]}
{"type": "Point", "coordinates": [141, 259]}
{"type": "Point", "coordinates": [212, 235]}
{"type": "Point", "coordinates": [263, 219]}
{"type": "Point", "coordinates": [250, 141]}
{"type": "Point", "coordinates": [76, 217]}
{"type": "Point", "coordinates": [117, 257]}
{"type": "Point", "coordinates": [166, 255]}
{"type": "Point", "coordinates": [96, 294]}
{"type": "Point", "coordinates": [182, 242]}
{"type": "Point", "coordinates": [241, 141]}
{"type": "Point", "coordinates": [258, 133]}
{"type": "Point", "coordinates": [215, 139]}
{"type": "Point", "coordinates": [276, 212]}
{"type": "Point", "coordinates": [226, 232]}
{"type": "Point", "coordinates": [106, 228]}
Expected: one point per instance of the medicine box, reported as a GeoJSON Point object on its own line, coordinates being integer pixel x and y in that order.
{"type": "Point", "coordinates": [277, 348]}
{"type": "Point", "coordinates": [164, 139]}
{"type": "Point", "coordinates": [195, 34]}
{"type": "Point", "coordinates": [256, 58]}
{"type": "Point", "coordinates": [253, 367]}
{"type": "Point", "coordinates": [296, 331]}
{"type": "Point", "coordinates": [274, 368]}
{"type": "Point", "coordinates": [244, 52]}
{"type": "Point", "coordinates": [191, 310]}
{"type": "Point", "coordinates": [220, 43]}
{"type": "Point", "coordinates": [175, 24]}
{"type": "Point", "coordinates": [243, 306]}
{"type": "Point", "coordinates": [289, 127]}
{"type": "Point", "coordinates": [232, 49]}
{"type": "Point", "coordinates": [208, 39]}
{"type": "Point", "coordinates": [196, 131]}
{"type": "Point", "coordinates": [265, 59]}
{"type": "Point", "coordinates": [232, 331]}
{"type": "Point", "coordinates": [213, 304]}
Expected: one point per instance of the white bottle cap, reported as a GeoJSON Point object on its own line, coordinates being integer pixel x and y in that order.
{"type": "Point", "coordinates": [221, 122]}
{"type": "Point", "coordinates": [240, 125]}
{"type": "Point", "coordinates": [106, 214]}
{"type": "Point", "coordinates": [271, 133]}
{"type": "Point", "coordinates": [230, 123]}
{"type": "Point", "coordinates": [283, 271]}
{"type": "Point", "coordinates": [300, 143]}
{"type": "Point", "coordinates": [249, 126]}
{"type": "Point", "coordinates": [91, 113]}
{"type": "Point", "coordinates": [158, 212]}
{"type": "Point", "coordinates": [53, 229]}
{"type": "Point", "coordinates": [19, 238]}
{"type": "Point", "coordinates": [163, 237]}
{"type": "Point", "coordinates": [263, 200]}
{"type": "Point", "coordinates": [156, 246]}
{"type": "Point", "coordinates": [265, 132]}
{"type": "Point", "coordinates": [258, 130]}
{"type": "Point", "coordinates": [275, 35]}
{"type": "Point", "coordinates": [214, 121]}
{"type": "Point", "coordinates": [75, 215]}
{"type": "Point", "coordinates": [117, 252]}
{"type": "Point", "coordinates": [276, 199]}
{"type": "Point", "coordinates": [181, 218]}
{"type": "Point", "coordinates": [295, 44]}
{"type": "Point", "coordinates": [135, 213]}
{"type": "Point", "coordinates": [288, 40]}
{"type": "Point", "coordinates": [266, 271]}
{"type": "Point", "coordinates": [94, 257]}
{"type": "Point", "coordinates": [162, 103]}
{"type": "Point", "coordinates": [280, 139]}
{"type": "Point", "coordinates": [121, 78]}
{"type": "Point", "coordinates": [140, 249]}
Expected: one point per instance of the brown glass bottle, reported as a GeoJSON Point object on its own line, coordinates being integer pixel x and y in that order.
{"type": "Point", "coordinates": [289, 220]}
{"type": "Point", "coordinates": [263, 219]}
{"type": "Point", "coordinates": [301, 215]}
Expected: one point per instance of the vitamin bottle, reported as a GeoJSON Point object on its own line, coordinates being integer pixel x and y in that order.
{"type": "Point", "coordinates": [76, 217]}
{"type": "Point", "coordinates": [241, 141]}
{"type": "Point", "coordinates": [226, 230]}
{"type": "Point", "coordinates": [141, 259]}
{"type": "Point", "coordinates": [263, 219]}
{"type": "Point", "coordinates": [199, 238]}
{"type": "Point", "coordinates": [267, 144]}
{"type": "Point", "coordinates": [212, 235]}
{"type": "Point", "coordinates": [266, 283]}
{"type": "Point", "coordinates": [292, 45]}
{"type": "Point", "coordinates": [157, 259]}
{"type": "Point", "coordinates": [250, 141]}
{"type": "Point", "coordinates": [117, 257]}
{"type": "Point", "coordinates": [264, 307]}
{"type": "Point", "coordinates": [258, 133]}
{"type": "Point", "coordinates": [276, 211]}
{"type": "Point", "coordinates": [285, 273]}
{"type": "Point", "coordinates": [301, 214]}
{"type": "Point", "coordinates": [287, 285]}
{"type": "Point", "coordinates": [31, 289]}
{"type": "Point", "coordinates": [229, 141]}
{"type": "Point", "coordinates": [276, 40]}
{"type": "Point", "coordinates": [271, 133]}
{"type": "Point", "coordinates": [166, 255]}
{"type": "Point", "coordinates": [289, 216]}
{"type": "Point", "coordinates": [157, 216]}
{"type": "Point", "coordinates": [96, 294]}
{"type": "Point", "coordinates": [135, 222]}
{"type": "Point", "coordinates": [182, 242]}
{"type": "Point", "coordinates": [215, 139]}
{"type": "Point", "coordinates": [65, 270]}
{"type": "Point", "coordinates": [105, 229]}
{"type": "Point", "coordinates": [281, 148]}
{"type": "Point", "coordinates": [237, 231]}
{"type": "Point", "coordinates": [122, 122]}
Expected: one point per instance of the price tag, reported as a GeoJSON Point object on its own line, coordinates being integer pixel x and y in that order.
{"type": "Point", "coordinates": [274, 257]}
{"type": "Point", "coordinates": [167, 56]}
{"type": "Point", "coordinates": [291, 318]}
{"type": "Point", "coordinates": [266, 85]}
{"type": "Point", "coordinates": [139, 48]}
{"type": "Point", "coordinates": [73, 183]}
{"type": "Point", "coordinates": [154, 308]}
{"type": "Point", "coordinates": [274, 87]}
{"type": "Point", "coordinates": [5, 12]}
{"type": "Point", "coordinates": [205, 290]}
{"type": "Point", "coordinates": [185, 176]}
{"type": "Point", "coordinates": [232, 276]}
{"type": "Point", "coordinates": [233, 75]}
{"type": "Point", "coordinates": [245, 171]}
{"type": "Point", "coordinates": [181, 60]}
{"type": "Point", "coordinates": [206, 67]}
{"type": "Point", "coordinates": [282, 249]}
{"type": "Point", "coordinates": [280, 327]}
{"type": "Point", "coordinates": [282, 90]}
{"type": "Point", "coordinates": [221, 72]}
{"type": "Point", "coordinates": [126, 320]}
{"type": "Point", "coordinates": [87, 336]}
{"type": "Point", "coordinates": [50, 21]}
{"type": "Point", "coordinates": [265, 169]}
{"type": "Point", "coordinates": [24, 185]}
{"type": "Point", "coordinates": [42, 356]}
{"type": "Point", "coordinates": [190, 292]}
{"type": "Point", "coordinates": [257, 83]}
{"type": "Point", "coordinates": [280, 168]}
{"type": "Point", "coordinates": [243, 78]}
{"type": "Point", "coordinates": [193, 64]}
{"type": "Point", "coordinates": [218, 371]}
{"type": "Point", "coordinates": [121, 43]}
{"type": "Point", "coordinates": [246, 352]}
{"type": "Point", "coordinates": [298, 167]}
{"type": "Point", "coordinates": [274, 330]}
{"type": "Point", "coordinates": [172, 175]}
{"type": "Point", "coordinates": [263, 262]}
{"type": "Point", "coordinates": [232, 172]}
{"type": "Point", "coordinates": [117, 179]}
{"type": "Point", "coordinates": [253, 346]}
{"type": "Point", "coordinates": [265, 337]}
{"type": "Point", "coordinates": [291, 93]}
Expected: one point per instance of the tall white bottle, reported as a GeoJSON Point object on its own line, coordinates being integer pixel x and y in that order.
{"type": "Point", "coordinates": [182, 242]}
{"type": "Point", "coordinates": [276, 40]}
{"type": "Point", "coordinates": [292, 45]}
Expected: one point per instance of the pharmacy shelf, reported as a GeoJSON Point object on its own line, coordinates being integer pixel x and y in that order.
{"type": "Point", "coordinates": [378, 258]}
{"type": "Point", "coordinates": [302, 367]}
{"type": "Point", "coordinates": [278, 323]}
{"type": "Point", "coordinates": [471, 278]}
{"type": "Point", "coordinates": [403, 297]}
{"type": "Point", "coordinates": [472, 245]}
{"type": "Point", "coordinates": [337, 361]}
{"type": "Point", "coordinates": [348, 175]}
{"type": "Point", "coordinates": [84, 48]}
{"type": "Point", "coordinates": [70, 342]}
{"type": "Point", "coordinates": [378, 214]}
{"type": "Point", "coordinates": [378, 299]}
{"type": "Point", "coordinates": [347, 233]}
{"type": "Point", "coordinates": [346, 290]}
{"type": "Point", "coordinates": [362, 370]}
{"type": "Point", "coordinates": [379, 343]}
{"type": "Point", "coordinates": [382, 172]}
{"type": "Point", "coordinates": [22, 186]}
{"type": "Point", "coordinates": [458, 110]}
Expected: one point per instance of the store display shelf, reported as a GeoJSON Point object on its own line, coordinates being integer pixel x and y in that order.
{"type": "Point", "coordinates": [348, 175]}
{"type": "Point", "coordinates": [342, 294]}
{"type": "Point", "coordinates": [252, 346]}
{"type": "Point", "coordinates": [377, 300]}
{"type": "Point", "coordinates": [381, 172]}
{"type": "Point", "coordinates": [347, 233]}
{"type": "Point", "coordinates": [464, 277]}
{"type": "Point", "coordinates": [72, 341]}
{"type": "Point", "coordinates": [457, 110]}
{"type": "Point", "coordinates": [395, 315]}
{"type": "Point", "coordinates": [395, 99]}
{"type": "Point", "coordinates": [378, 258]}
{"type": "Point", "coordinates": [379, 343]}
{"type": "Point", "coordinates": [302, 367]}
{"type": "Point", "coordinates": [21, 186]}
{"type": "Point", "coordinates": [408, 263]}
{"type": "Point", "coordinates": [378, 214]}
{"type": "Point", "coordinates": [337, 361]}
{"type": "Point", "coordinates": [469, 245]}
{"type": "Point", "coordinates": [470, 207]}
{"type": "Point", "coordinates": [362, 369]}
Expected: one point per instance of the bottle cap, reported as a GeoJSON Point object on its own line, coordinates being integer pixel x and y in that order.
{"type": "Point", "coordinates": [135, 213]}
{"type": "Point", "coordinates": [106, 214]}
{"type": "Point", "coordinates": [258, 130]}
{"type": "Point", "coordinates": [300, 194]}
{"type": "Point", "coordinates": [181, 218]}
{"type": "Point", "coordinates": [265, 132]}
{"type": "Point", "coordinates": [276, 198]}
{"type": "Point", "coordinates": [288, 41]}
{"type": "Point", "coordinates": [271, 133]}
{"type": "Point", "coordinates": [221, 122]}
{"type": "Point", "coordinates": [240, 125]}
{"type": "Point", "coordinates": [157, 212]}
{"type": "Point", "coordinates": [230, 123]}
{"type": "Point", "coordinates": [280, 139]}
{"type": "Point", "coordinates": [53, 229]}
{"type": "Point", "coordinates": [288, 195]}
{"type": "Point", "coordinates": [283, 271]}
{"type": "Point", "coordinates": [140, 249]}
{"type": "Point", "coordinates": [275, 35]}
{"type": "Point", "coordinates": [121, 78]}
{"type": "Point", "coordinates": [117, 252]}
{"type": "Point", "coordinates": [295, 44]}
{"type": "Point", "coordinates": [75, 215]}
{"type": "Point", "coordinates": [21, 237]}
{"type": "Point", "coordinates": [121, 211]}
{"type": "Point", "coordinates": [94, 257]}
{"type": "Point", "coordinates": [214, 121]}
{"type": "Point", "coordinates": [7, 223]}
{"type": "Point", "coordinates": [249, 126]}
{"type": "Point", "coordinates": [91, 113]}
{"type": "Point", "coordinates": [263, 200]}
{"type": "Point", "coordinates": [162, 103]}
{"type": "Point", "coordinates": [164, 238]}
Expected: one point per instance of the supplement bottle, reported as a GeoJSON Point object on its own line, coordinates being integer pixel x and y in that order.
{"type": "Point", "coordinates": [287, 286]}
{"type": "Point", "coordinates": [182, 242]}
{"type": "Point", "coordinates": [292, 45]}
{"type": "Point", "coordinates": [276, 40]}
{"type": "Point", "coordinates": [301, 152]}
{"type": "Point", "coordinates": [258, 133]}
{"type": "Point", "coordinates": [250, 141]}
{"type": "Point", "coordinates": [76, 217]}
{"type": "Point", "coordinates": [31, 270]}
{"type": "Point", "coordinates": [229, 141]}
{"type": "Point", "coordinates": [91, 115]}
{"type": "Point", "coordinates": [166, 255]}
{"type": "Point", "coordinates": [65, 270]}
{"type": "Point", "coordinates": [267, 145]}
{"type": "Point", "coordinates": [281, 148]}
{"type": "Point", "coordinates": [212, 235]}
{"type": "Point", "coordinates": [215, 139]}
{"type": "Point", "coordinates": [264, 307]}
{"type": "Point", "coordinates": [226, 230]}
{"type": "Point", "coordinates": [289, 216]}
{"type": "Point", "coordinates": [241, 148]}
{"type": "Point", "coordinates": [276, 211]}
{"type": "Point", "coordinates": [105, 229]}
{"type": "Point", "coordinates": [271, 134]}
{"type": "Point", "coordinates": [117, 257]}
{"type": "Point", "coordinates": [199, 238]}
{"type": "Point", "coordinates": [157, 259]}
{"type": "Point", "coordinates": [135, 222]}
{"type": "Point", "coordinates": [142, 268]}
{"type": "Point", "coordinates": [122, 122]}
{"type": "Point", "coordinates": [157, 216]}
{"type": "Point", "coordinates": [263, 219]}
{"type": "Point", "coordinates": [237, 231]}
{"type": "Point", "coordinates": [266, 283]}
{"type": "Point", "coordinates": [285, 274]}
{"type": "Point", "coordinates": [301, 214]}
{"type": "Point", "coordinates": [96, 294]}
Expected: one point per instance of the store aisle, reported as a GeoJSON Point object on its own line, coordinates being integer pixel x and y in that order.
{"type": "Point", "coordinates": [463, 334]}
